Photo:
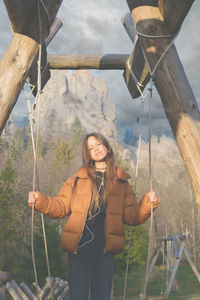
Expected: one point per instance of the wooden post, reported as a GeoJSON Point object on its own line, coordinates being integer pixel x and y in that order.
{"type": "Point", "coordinates": [21, 53]}
{"type": "Point", "coordinates": [174, 270]}
{"type": "Point", "coordinates": [14, 68]}
{"type": "Point", "coordinates": [173, 87]}
{"type": "Point", "coordinates": [143, 294]}
{"type": "Point", "coordinates": [24, 17]}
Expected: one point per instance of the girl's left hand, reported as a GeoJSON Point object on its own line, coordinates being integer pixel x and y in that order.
{"type": "Point", "coordinates": [153, 198]}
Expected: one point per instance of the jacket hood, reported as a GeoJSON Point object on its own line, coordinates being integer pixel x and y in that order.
{"type": "Point", "coordinates": [120, 173]}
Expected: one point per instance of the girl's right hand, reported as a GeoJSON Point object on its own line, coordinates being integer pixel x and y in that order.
{"type": "Point", "coordinates": [32, 197]}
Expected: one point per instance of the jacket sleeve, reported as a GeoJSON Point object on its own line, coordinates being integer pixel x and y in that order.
{"type": "Point", "coordinates": [59, 206]}
{"type": "Point", "coordinates": [135, 213]}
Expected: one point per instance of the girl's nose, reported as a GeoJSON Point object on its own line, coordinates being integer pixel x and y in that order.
{"type": "Point", "coordinates": [96, 148]}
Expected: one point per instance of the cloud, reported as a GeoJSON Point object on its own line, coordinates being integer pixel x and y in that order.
{"type": "Point", "coordinates": [95, 27]}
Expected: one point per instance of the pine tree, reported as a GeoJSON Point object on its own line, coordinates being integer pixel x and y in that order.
{"type": "Point", "coordinates": [9, 219]}
{"type": "Point", "coordinates": [76, 133]}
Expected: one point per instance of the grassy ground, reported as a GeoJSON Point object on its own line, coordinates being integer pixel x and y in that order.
{"type": "Point", "coordinates": [187, 287]}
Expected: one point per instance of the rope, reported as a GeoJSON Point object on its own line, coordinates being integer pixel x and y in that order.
{"type": "Point", "coordinates": [135, 185]}
{"type": "Point", "coordinates": [37, 179]}
{"type": "Point", "coordinates": [152, 72]}
{"type": "Point", "coordinates": [35, 154]}
{"type": "Point", "coordinates": [143, 96]}
{"type": "Point", "coordinates": [172, 36]}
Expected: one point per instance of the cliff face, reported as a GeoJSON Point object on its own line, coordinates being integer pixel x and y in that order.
{"type": "Point", "coordinates": [68, 96]}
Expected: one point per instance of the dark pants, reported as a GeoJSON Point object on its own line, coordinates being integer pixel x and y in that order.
{"type": "Point", "coordinates": [90, 272]}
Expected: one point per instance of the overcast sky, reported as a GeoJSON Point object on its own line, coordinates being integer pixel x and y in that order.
{"type": "Point", "coordinates": [95, 27]}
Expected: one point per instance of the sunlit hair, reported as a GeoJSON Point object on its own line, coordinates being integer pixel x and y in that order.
{"type": "Point", "coordinates": [90, 167]}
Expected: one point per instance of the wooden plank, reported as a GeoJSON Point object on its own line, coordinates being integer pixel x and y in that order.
{"type": "Point", "coordinates": [19, 290]}
{"type": "Point", "coordinates": [28, 292]}
{"type": "Point", "coordinates": [173, 20]}
{"type": "Point", "coordinates": [174, 89]}
{"type": "Point", "coordinates": [136, 74]}
{"type": "Point", "coordinates": [13, 293]}
{"type": "Point", "coordinates": [88, 61]}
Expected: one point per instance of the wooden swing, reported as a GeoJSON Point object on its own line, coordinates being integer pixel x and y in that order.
{"type": "Point", "coordinates": [175, 261]}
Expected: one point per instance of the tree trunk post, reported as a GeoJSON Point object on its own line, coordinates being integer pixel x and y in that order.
{"type": "Point", "coordinates": [174, 89]}
{"type": "Point", "coordinates": [14, 68]}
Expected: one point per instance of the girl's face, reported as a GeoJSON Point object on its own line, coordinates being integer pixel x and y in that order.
{"type": "Point", "coordinates": [97, 150]}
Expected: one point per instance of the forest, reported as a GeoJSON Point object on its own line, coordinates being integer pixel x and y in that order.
{"type": "Point", "coordinates": [58, 159]}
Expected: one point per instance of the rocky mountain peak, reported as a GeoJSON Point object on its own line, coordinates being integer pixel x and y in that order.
{"type": "Point", "coordinates": [78, 94]}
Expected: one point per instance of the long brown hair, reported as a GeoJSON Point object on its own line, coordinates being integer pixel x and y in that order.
{"type": "Point", "coordinates": [90, 167]}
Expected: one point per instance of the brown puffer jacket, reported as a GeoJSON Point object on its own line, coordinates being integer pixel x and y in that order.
{"type": "Point", "coordinates": [122, 208]}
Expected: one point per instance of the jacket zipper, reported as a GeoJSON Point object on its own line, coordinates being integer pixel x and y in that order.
{"type": "Point", "coordinates": [84, 222]}
{"type": "Point", "coordinates": [104, 250]}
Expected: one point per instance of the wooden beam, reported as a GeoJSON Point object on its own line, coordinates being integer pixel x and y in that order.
{"type": "Point", "coordinates": [169, 10]}
{"type": "Point", "coordinates": [136, 67]}
{"type": "Point", "coordinates": [174, 89]}
{"type": "Point", "coordinates": [135, 3]}
{"type": "Point", "coordinates": [55, 27]}
{"type": "Point", "coordinates": [88, 61]}
{"type": "Point", "coordinates": [14, 68]}
{"type": "Point", "coordinates": [136, 74]}
{"type": "Point", "coordinates": [19, 12]}
{"type": "Point", "coordinates": [45, 72]}
{"type": "Point", "coordinates": [21, 53]}
{"type": "Point", "coordinates": [128, 24]}
{"type": "Point", "coordinates": [24, 17]}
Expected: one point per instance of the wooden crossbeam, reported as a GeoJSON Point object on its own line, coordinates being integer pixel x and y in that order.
{"type": "Point", "coordinates": [88, 61]}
